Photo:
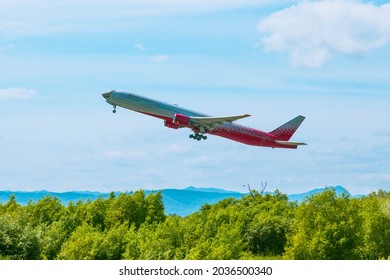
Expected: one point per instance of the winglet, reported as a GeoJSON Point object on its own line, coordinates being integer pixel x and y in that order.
{"type": "Point", "coordinates": [284, 132]}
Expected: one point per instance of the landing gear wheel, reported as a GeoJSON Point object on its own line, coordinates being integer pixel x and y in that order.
{"type": "Point", "coordinates": [197, 136]}
{"type": "Point", "coordinates": [114, 111]}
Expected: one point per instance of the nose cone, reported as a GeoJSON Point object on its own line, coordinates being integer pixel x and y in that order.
{"type": "Point", "coordinates": [106, 95]}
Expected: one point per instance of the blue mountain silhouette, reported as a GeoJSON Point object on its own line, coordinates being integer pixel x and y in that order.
{"type": "Point", "coordinates": [181, 202]}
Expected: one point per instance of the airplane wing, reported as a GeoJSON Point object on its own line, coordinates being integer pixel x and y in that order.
{"type": "Point", "coordinates": [210, 123]}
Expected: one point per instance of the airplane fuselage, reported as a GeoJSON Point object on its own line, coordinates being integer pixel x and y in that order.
{"type": "Point", "coordinates": [148, 106]}
{"type": "Point", "coordinates": [171, 114]}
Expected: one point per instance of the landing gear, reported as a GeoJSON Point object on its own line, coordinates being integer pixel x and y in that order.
{"type": "Point", "coordinates": [198, 136]}
{"type": "Point", "coordinates": [114, 111]}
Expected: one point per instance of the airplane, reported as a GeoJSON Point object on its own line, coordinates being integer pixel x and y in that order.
{"type": "Point", "coordinates": [176, 117]}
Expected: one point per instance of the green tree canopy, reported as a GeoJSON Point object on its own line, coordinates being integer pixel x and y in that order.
{"type": "Point", "coordinates": [326, 227]}
{"type": "Point", "coordinates": [256, 226]}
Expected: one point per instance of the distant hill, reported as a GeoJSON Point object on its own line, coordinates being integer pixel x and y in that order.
{"type": "Point", "coordinates": [302, 196]}
{"type": "Point", "coordinates": [214, 190]}
{"type": "Point", "coordinates": [187, 201]}
{"type": "Point", "coordinates": [181, 202]}
{"type": "Point", "coordinates": [66, 197]}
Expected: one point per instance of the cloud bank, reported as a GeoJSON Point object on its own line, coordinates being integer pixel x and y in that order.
{"type": "Point", "coordinates": [40, 17]}
{"type": "Point", "coordinates": [159, 58]}
{"type": "Point", "coordinates": [312, 32]}
{"type": "Point", "coordinates": [16, 93]}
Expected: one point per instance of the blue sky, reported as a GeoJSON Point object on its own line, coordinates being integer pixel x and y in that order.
{"type": "Point", "coordinates": [326, 60]}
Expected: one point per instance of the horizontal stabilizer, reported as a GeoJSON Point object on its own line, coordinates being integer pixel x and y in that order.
{"type": "Point", "coordinates": [287, 143]}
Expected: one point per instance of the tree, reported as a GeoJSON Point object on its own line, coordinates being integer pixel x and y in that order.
{"type": "Point", "coordinates": [84, 244]}
{"type": "Point", "coordinates": [11, 207]}
{"type": "Point", "coordinates": [45, 211]}
{"type": "Point", "coordinates": [114, 242]}
{"type": "Point", "coordinates": [96, 213]}
{"type": "Point", "coordinates": [17, 241]}
{"type": "Point", "coordinates": [57, 233]}
{"type": "Point", "coordinates": [155, 208]}
{"type": "Point", "coordinates": [267, 235]}
{"type": "Point", "coordinates": [132, 250]}
{"type": "Point", "coordinates": [126, 208]}
{"type": "Point", "coordinates": [270, 217]}
{"type": "Point", "coordinates": [326, 227]}
{"type": "Point", "coordinates": [215, 232]}
{"type": "Point", "coordinates": [161, 241]}
{"type": "Point", "coordinates": [228, 243]}
{"type": "Point", "coordinates": [376, 226]}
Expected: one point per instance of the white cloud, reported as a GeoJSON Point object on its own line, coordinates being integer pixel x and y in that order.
{"type": "Point", "coordinates": [140, 47]}
{"type": "Point", "coordinates": [159, 58]}
{"type": "Point", "coordinates": [16, 93]}
{"type": "Point", "coordinates": [314, 32]}
{"type": "Point", "coordinates": [382, 133]}
{"type": "Point", "coordinates": [26, 27]}
{"type": "Point", "coordinates": [199, 160]}
{"type": "Point", "coordinates": [115, 8]}
{"type": "Point", "coordinates": [7, 48]}
{"type": "Point", "coordinates": [22, 17]}
{"type": "Point", "coordinates": [176, 149]}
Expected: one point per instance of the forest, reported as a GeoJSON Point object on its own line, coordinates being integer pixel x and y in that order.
{"type": "Point", "coordinates": [257, 226]}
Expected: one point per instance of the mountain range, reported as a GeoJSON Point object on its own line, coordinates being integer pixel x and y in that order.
{"type": "Point", "coordinates": [181, 202]}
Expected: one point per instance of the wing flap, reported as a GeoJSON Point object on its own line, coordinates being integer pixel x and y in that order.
{"type": "Point", "coordinates": [212, 122]}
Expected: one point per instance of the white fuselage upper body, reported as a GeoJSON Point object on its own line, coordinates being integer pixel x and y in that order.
{"type": "Point", "coordinates": [148, 106]}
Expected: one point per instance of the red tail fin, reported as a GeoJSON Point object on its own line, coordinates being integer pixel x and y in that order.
{"type": "Point", "coordinates": [287, 130]}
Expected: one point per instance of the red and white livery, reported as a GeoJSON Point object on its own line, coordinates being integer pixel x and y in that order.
{"type": "Point", "coordinates": [177, 117]}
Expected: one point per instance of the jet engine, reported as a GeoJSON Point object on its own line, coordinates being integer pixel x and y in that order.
{"type": "Point", "coordinates": [182, 120]}
{"type": "Point", "coordinates": [170, 124]}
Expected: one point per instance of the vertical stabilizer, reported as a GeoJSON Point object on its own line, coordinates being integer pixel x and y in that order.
{"type": "Point", "coordinates": [287, 130]}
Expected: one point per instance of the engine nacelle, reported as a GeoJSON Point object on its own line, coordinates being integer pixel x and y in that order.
{"type": "Point", "coordinates": [170, 124]}
{"type": "Point", "coordinates": [182, 120]}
